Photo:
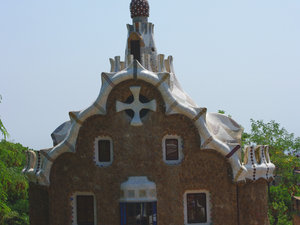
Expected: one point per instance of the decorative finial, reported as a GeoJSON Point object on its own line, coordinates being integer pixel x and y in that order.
{"type": "Point", "coordinates": [139, 8]}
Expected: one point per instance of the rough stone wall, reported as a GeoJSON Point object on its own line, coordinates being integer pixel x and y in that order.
{"type": "Point", "coordinates": [138, 152]}
{"type": "Point", "coordinates": [38, 204]}
{"type": "Point", "coordinates": [296, 220]}
{"type": "Point", "coordinates": [296, 217]}
{"type": "Point", "coordinates": [253, 203]}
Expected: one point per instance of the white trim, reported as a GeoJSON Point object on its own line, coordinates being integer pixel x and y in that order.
{"type": "Point", "coordinates": [74, 206]}
{"type": "Point", "coordinates": [180, 147]}
{"type": "Point", "coordinates": [96, 151]}
{"type": "Point", "coordinates": [208, 206]}
{"type": "Point", "coordinates": [133, 188]}
{"type": "Point", "coordinates": [170, 96]}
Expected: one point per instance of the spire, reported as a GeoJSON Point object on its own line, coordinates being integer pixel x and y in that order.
{"type": "Point", "coordinates": [139, 8]}
{"type": "Point", "coordinates": [140, 41]}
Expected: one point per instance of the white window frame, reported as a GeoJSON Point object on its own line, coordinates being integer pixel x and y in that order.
{"type": "Point", "coordinates": [96, 151]}
{"type": "Point", "coordinates": [208, 207]}
{"type": "Point", "coordinates": [74, 205]}
{"type": "Point", "coordinates": [180, 147]}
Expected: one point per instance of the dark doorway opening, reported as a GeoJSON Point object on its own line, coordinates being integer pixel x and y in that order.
{"type": "Point", "coordinates": [85, 210]}
{"type": "Point", "coordinates": [138, 213]}
{"type": "Point", "coordinates": [135, 50]}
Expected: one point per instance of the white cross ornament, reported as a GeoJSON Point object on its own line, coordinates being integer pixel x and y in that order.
{"type": "Point", "coordinates": [136, 106]}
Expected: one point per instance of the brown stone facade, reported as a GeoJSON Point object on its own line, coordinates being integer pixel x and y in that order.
{"type": "Point", "coordinates": [137, 151]}
{"type": "Point", "coordinates": [296, 217]}
{"type": "Point", "coordinates": [253, 203]}
{"type": "Point", "coordinates": [39, 204]}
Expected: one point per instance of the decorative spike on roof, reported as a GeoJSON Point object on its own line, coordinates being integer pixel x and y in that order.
{"type": "Point", "coordinates": [139, 8]}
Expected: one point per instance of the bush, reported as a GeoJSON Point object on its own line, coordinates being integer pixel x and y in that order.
{"type": "Point", "coordinates": [13, 185]}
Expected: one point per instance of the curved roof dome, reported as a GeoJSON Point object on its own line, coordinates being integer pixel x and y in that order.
{"type": "Point", "coordinates": [139, 8]}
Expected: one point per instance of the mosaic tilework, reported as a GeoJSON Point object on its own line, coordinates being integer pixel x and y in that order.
{"type": "Point", "coordinates": [38, 162]}
{"type": "Point", "coordinates": [252, 161]}
{"type": "Point", "coordinates": [234, 150]}
{"type": "Point", "coordinates": [139, 8]}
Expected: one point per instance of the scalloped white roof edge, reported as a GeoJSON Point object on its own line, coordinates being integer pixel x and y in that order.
{"type": "Point", "coordinates": [176, 101]}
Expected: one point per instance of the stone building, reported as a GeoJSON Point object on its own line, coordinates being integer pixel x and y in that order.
{"type": "Point", "coordinates": [144, 153]}
{"type": "Point", "coordinates": [296, 216]}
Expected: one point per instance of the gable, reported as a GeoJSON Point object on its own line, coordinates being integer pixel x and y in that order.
{"type": "Point", "coordinates": [174, 100]}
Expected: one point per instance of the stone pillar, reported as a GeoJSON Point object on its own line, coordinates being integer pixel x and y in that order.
{"type": "Point", "coordinates": [253, 203]}
{"type": "Point", "coordinates": [296, 202]}
{"type": "Point", "coordinates": [38, 204]}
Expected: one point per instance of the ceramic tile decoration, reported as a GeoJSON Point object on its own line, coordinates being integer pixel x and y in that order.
{"type": "Point", "coordinates": [136, 106]}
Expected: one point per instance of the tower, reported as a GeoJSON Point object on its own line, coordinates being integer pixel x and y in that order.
{"type": "Point", "coordinates": [140, 43]}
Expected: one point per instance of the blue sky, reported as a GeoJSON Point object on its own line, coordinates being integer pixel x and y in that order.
{"type": "Point", "coordinates": [242, 56]}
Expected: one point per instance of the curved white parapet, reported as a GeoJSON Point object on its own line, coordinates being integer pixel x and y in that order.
{"type": "Point", "coordinates": [217, 132]}
{"type": "Point", "coordinates": [257, 163]}
{"type": "Point", "coordinates": [31, 161]}
{"type": "Point", "coordinates": [269, 164]}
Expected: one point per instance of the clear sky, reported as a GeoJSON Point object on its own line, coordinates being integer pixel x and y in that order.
{"type": "Point", "coordinates": [242, 56]}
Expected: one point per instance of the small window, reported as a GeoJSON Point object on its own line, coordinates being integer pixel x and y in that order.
{"type": "Point", "coordinates": [103, 151]}
{"type": "Point", "coordinates": [84, 209]}
{"type": "Point", "coordinates": [196, 208]}
{"type": "Point", "coordinates": [172, 149]}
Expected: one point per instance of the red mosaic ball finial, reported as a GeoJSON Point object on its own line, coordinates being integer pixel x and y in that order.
{"type": "Point", "coordinates": [139, 8]}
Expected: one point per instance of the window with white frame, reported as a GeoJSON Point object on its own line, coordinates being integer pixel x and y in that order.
{"type": "Point", "coordinates": [172, 149]}
{"type": "Point", "coordinates": [196, 208]}
{"type": "Point", "coordinates": [84, 209]}
{"type": "Point", "coordinates": [103, 151]}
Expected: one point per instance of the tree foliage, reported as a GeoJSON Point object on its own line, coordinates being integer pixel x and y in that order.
{"type": "Point", "coordinates": [3, 130]}
{"type": "Point", "coordinates": [284, 153]}
{"type": "Point", "coordinates": [13, 185]}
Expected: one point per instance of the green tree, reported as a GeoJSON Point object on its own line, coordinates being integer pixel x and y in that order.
{"type": "Point", "coordinates": [3, 130]}
{"type": "Point", "coordinates": [284, 151]}
{"type": "Point", "coordinates": [13, 184]}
